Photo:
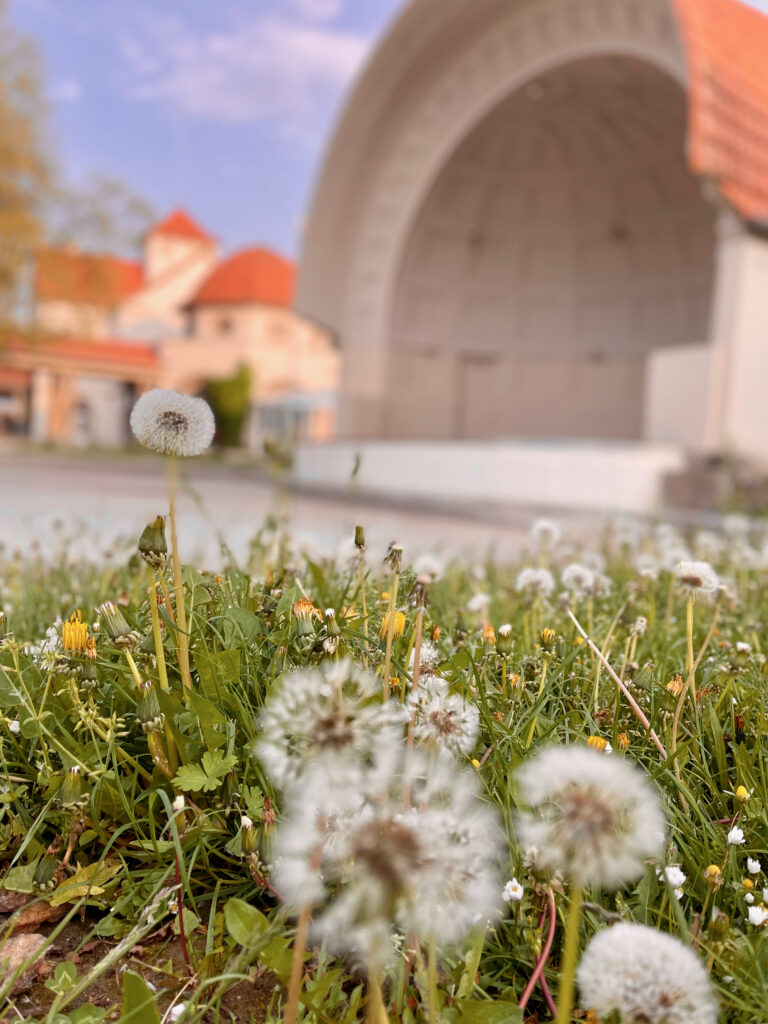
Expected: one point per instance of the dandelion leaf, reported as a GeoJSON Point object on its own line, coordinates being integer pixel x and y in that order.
{"type": "Point", "coordinates": [139, 1006]}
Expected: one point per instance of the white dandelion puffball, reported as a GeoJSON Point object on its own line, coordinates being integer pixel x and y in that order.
{"type": "Point", "coordinates": [645, 976]}
{"type": "Point", "coordinates": [372, 869]}
{"type": "Point", "coordinates": [447, 724]}
{"type": "Point", "coordinates": [173, 424]}
{"type": "Point", "coordinates": [329, 721]}
{"type": "Point", "coordinates": [545, 532]}
{"type": "Point", "coordinates": [578, 579]}
{"type": "Point", "coordinates": [697, 579]}
{"type": "Point", "coordinates": [594, 818]}
{"type": "Point", "coordinates": [535, 581]}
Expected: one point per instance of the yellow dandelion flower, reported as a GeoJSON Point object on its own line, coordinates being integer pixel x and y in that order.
{"type": "Point", "coordinates": [398, 627]}
{"type": "Point", "coordinates": [578, 641]}
{"type": "Point", "coordinates": [74, 633]}
{"type": "Point", "coordinates": [742, 794]}
{"type": "Point", "coordinates": [748, 883]}
{"type": "Point", "coordinates": [675, 686]}
{"type": "Point", "coordinates": [713, 875]}
{"type": "Point", "coordinates": [394, 683]}
{"type": "Point", "coordinates": [598, 743]}
{"type": "Point", "coordinates": [475, 762]}
{"type": "Point", "coordinates": [622, 741]}
{"type": "Point", "coordinates": [435, 633]}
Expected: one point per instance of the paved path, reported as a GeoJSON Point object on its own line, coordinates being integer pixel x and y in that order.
{"type": "Point", "coordinates": [103, 503]}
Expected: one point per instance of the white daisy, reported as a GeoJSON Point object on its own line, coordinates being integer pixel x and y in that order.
{"type": "Point", "coordinates": [173, 424]}
{"type": "Point", "coordinates": [753, 866]}
{"type": "Point", "coordinates": [513, 891]}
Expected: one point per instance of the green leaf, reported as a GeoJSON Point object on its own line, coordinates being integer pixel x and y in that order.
{"type": "Point", "coordinates": [87, 1014]}
{"type": "Point", "coordinates": [64, 978]}
{"type": "Point", "coordinates": [9, 695]}
{"type": "Point", "coordinates": [206, 776]}
{"type": "Point", "coordinates": [208, 717]}
{"type": "Point", "coordinates": [473, 1011]}
{"type": "Point", "coordinates": [244, 923]}
{"type": "Point", "coordinates": [217, 670]}
{"type": "Point", "coordinates": [241, 626]}
{"type": "Point", "coordinates": [138, 1002]}
{"type": "Point", "coordinates": [19, 879]}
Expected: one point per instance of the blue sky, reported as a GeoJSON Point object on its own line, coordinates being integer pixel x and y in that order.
{"type": "Point", "coordinates": [221, 106]}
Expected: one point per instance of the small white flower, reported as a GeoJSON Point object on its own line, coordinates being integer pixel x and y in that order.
{"type": "Point", "coordinates": [15, 726]}
{"type": "Point", "coordinates": [742, 647]}
{"type": "Point", "coordinates": [173, 424]}
{"type": "Point", "coordinates": [735, 836]}
{"type": "Point", "coordinates": [675, 876]}
{"type": "Point", "coordinates": [757, 916]}
{"type": "Point", "coordinates": [513, 891]}
{"type": "Point", "coordinates": [179, 804]}
{"type": "Point", "coordinates": [176, 1011]}
{"type": "Point", "coordinates": [753, 866]}
{"type": "Point", "coordinates": [765, 895]}
{"type": "Point", "coordinates": [749, 898]}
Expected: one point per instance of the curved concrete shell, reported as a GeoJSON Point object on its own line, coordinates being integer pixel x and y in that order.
{"type": "Point", "coordinates": [509, 241]}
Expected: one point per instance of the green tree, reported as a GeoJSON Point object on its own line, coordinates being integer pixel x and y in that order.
{"type": "Point", "coordinates": [231, 398]}
{"type": "Point", "coordinates": [25, 173]}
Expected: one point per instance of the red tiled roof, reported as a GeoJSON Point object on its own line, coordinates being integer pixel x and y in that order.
{"type": "Point", "coordinates": [75, 350]}
{"type": "Point", "coordinates": [180, 223]}
{"type": "Point", "coordinates": [726, 46]}
{"type": "Point", "coordinates": [252, 275]}
{"type": "Point", "coordinates": [72, 276]}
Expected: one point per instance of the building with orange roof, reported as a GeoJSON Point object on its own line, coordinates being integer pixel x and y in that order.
{"type": "Point", "coordinates": [549, 221]}
{"type": "Point", "coordinates": [108, 328]}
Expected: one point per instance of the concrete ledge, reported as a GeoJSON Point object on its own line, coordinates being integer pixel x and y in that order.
{"type": "Point", "coordinates": [579, 475]}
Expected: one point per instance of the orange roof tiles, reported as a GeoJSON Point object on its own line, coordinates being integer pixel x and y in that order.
{"type": "Point", "coordinates": [95, 353]}
{"type": "Point", "coordinates": [72, 276]}
{"type": "Point", "coordinates": [726, 46]}
{"type": "Point", "coordinates": [251, 275]}
{"type": "Point", "coordinates": [180, 223]}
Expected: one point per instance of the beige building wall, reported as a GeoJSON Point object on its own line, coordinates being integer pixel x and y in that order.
{"type": "Point", "coordinates": [174, 270]}
{"type": "Point", "coordinates": [79, 319]}
{"type": "Point", "coordinates": [286, 352]}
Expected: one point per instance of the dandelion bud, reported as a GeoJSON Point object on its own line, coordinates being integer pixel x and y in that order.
{"type": "Point", "coordinates": [675, 686]}
{"type": "Point", "coordinates": [504, 640]}
{"type": "Point", "coordinates": [360, 538]}
{"type": "Point", "coordinates": [742, 794]}
{"type": "Point", "coordinates": [152, 544]}
{"type": "Point", "coordinates": [44, 879]}
{"type": "Point", "coordinates": [712, 875]}
{"type": "Point", "coordinates": [248, 836]}
{"type": "Point", "coordinates": [719, 926]}
{"type": "Point", "coordinates": [268, 817]}
{"type": "Point", "coordinates": [643, 677]}
{"type": "Point", "coordinates": [547, 639]}
{"type": "Point", "coordinates": [303, 611]}
{"type": "Point", "coordinates": [148, 712]}
{"type": "Point", "coordinates": [72, 793]}
{"type": "Point", "coordinates": [119, 631]}
{"type": "Point", "coordinates": [331, 625]}
{"type": "Point", "coordinates": [394, 557]}
{"type": "Point", "coordinates": [622, 741]}
{"type": "Point", "coordinates": [489, 635]}
{"type": "Point", "coordinates": [435, 634]}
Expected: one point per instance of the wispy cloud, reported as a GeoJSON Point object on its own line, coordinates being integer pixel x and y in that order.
{"type": "Point", "coordinates": [319, 10]}
{"type": "Point", "coordinates": [268, 68]}
{"type": "Point", "coordinates": [65, 91]}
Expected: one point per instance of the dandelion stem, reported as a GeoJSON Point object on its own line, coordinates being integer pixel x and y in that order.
{"type": "Point", "coordinates": [532, 730]}
{"type": "Point", "coordinates": [538, 970]}
{"type": "Point", "coordinates": [178, 581]}
{"type": "Point", "coordinates": [376, 1012]}
{"type": "Point", "coordinates": [570, 957]}
{"type": "Point", "coordinates": [432, 980]}
{"type": "Point", "coordinates": [162, 672]}
{"type": "Point", "coordinates": [297, 965]}
{"type": "Point", "coordinates": [361, 568]}
{"type": "Point", "coordinates": [390, 635]}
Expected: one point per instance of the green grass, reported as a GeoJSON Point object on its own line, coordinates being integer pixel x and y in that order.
{"type": "Point", "coordinates": [128, 849]}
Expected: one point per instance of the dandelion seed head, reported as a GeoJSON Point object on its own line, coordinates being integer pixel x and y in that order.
{"type": "Point", "coordinates": [545, 532]}
{"type": "Point", "coordinates": [646, 977]}
{"type": "Point", "coordinates": [577, 579]}
{"type": "Point", "coordinates": [448, 724]}
{"type": "Point", "coordinates": [173, 424]}
{"type": "Point", "coordinates": [591, 817]}
{"type": "Point", "coordinates": [535, 581]}
{"type": "Point", "coordinates": [697, 579]}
